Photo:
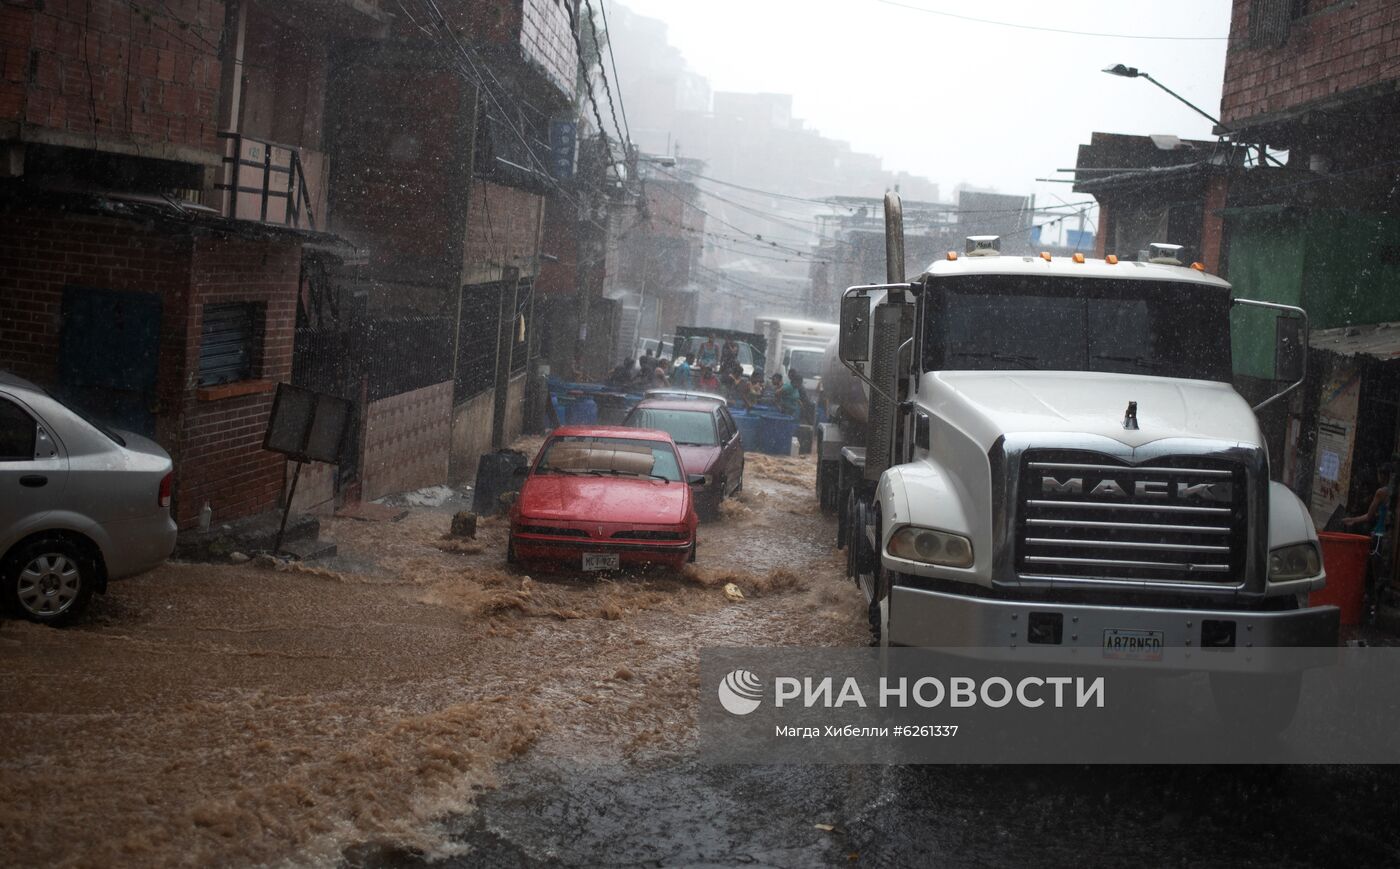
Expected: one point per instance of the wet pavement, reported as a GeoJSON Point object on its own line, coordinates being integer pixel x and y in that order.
{"type": "Point", "coordinates": [414, 701]}
{"type": "Point", "coordinates": [686, 814]}
{"type": "Point", "coordinates": [224, 714]}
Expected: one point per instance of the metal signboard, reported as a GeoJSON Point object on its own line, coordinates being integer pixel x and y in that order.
{"type": "Point", "coordinates": [563, 136]}
{"type": "Point", "coordinates": [307, 426]}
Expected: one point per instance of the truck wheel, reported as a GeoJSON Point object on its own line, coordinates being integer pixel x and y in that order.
{"type": "Point", "coordinates": [1256, 703]}
{"type": "Point", "coordinates": [843, 520]}
{"type": "Point", "coordinates": [828, 491]}
{"type": "Point", "coordinates": [865, 559]}
{"type": "Point", "coordinates": [49, 581]}
{"type": "Point", "coordinates": [880, 588]}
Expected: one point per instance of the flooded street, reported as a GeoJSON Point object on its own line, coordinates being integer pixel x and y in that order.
{"type": "Point", "coordinates": [230, 714]}
{"type": "Point", "coordinates": [414, 702]}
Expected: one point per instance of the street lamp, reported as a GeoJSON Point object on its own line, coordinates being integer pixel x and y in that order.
{"type": "Point", "coordinates": [1124, 71]}
{"type": "Point", "coordinates": [1134, 72]}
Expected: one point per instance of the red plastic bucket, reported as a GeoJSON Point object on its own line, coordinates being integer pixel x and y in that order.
{"type": "Point", "coordinates": [1344, 556]}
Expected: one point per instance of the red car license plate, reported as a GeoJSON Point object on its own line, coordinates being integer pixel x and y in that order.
{"type": "Point", "coordinates": [601, 561]}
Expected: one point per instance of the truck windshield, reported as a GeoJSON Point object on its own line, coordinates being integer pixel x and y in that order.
{"type": "Point", "coordinates": [1001, 322]}
{"type": "Point", "coordinates": [807, 362]}
{"type": "Point", "coordinates": [746, 354]}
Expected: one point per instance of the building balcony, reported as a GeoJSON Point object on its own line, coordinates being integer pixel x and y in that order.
{"type": "Point", "coordinates": [272, 183]}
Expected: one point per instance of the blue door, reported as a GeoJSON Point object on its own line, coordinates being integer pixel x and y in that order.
{"type": "Point", "coordinates": [109, 349]}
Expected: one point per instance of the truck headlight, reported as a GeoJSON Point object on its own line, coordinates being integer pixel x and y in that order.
{"type": "Point", "coordinates": [1299, 561]}
{"type": "Point", "coordinates": [931, 547]}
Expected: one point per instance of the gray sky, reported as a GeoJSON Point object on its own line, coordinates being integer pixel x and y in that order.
{"type": "Point", "coordinates": [958, 100]}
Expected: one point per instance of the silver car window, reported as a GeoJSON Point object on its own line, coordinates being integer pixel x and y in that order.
{"type": "Point", "coordinates": [17, 433]}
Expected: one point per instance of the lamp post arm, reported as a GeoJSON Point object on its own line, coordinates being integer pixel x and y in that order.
{"type": "Point", "coordinates": [1195, 108]}
{"type": "Point", "coordinates": [1263, 152]}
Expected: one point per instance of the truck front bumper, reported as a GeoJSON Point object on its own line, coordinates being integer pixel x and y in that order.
{"type": "Point", "coordinates": [917, 617]}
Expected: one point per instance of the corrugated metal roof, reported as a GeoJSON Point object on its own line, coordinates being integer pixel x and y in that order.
{"type": "Point", "coordinates": [1377, 340]}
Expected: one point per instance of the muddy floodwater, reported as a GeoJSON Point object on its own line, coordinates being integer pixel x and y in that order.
{"type": "Point", "coordinates": [414, 702]}
{"type": "Point", "coordinates": [229, 714]}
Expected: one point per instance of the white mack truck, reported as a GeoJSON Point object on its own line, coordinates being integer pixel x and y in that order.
{"type": "Point", "coordinates": [1035, 450]}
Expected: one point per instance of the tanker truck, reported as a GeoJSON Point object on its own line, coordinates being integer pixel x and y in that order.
{"type": "Point", "coordinates": [1048, 450]}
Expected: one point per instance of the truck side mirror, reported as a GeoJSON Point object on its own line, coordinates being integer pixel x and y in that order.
{"type": "Point", "coordinates": [1290, 345]}
{"type": "Point", "coordinates": [854, 344]}
{"type": "Point", "coordinates": [1288, 349]}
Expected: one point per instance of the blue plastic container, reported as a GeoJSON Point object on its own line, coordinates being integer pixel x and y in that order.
{"type": "Point", "coordinates": [748, 428]}
{"type": "Point", "coordinates": [583, 411]}
{"type": "Point", "coordinates": [561, 408]}
{"type": "Point", "coordinates": [775, 433]}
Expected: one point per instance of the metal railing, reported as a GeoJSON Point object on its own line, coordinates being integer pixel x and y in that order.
{"type": "Point", "coordinates": [269, 172]}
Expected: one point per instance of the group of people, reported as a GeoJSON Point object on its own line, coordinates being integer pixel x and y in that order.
{"type": "Point", "coordinates": [715, 368]}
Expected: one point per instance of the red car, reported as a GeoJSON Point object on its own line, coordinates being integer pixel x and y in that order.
{"type": "Point", "coordinates": [708, 440]}
{"type": "Point", "coordinates": [604, 497]}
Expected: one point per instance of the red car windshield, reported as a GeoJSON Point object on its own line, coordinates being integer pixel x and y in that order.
{"type": "Point", "coordinates": [608, 456]}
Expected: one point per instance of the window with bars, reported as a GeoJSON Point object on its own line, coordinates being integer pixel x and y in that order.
{"type": "Point", "coordinates": [477, 340]}
{"type": "Point", "coordinates": [230, 339]}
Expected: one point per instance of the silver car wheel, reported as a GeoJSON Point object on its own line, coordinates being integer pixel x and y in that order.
{"type": "Point", "coordinates": [49, 584]}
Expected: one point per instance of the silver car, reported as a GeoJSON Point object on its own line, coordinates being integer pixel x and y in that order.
{"type": "Point", "coordinates": [80, 504]}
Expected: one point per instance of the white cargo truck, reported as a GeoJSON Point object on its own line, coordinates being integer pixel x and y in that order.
{"type": "Point", "coordinates": [796, 344]}
{"type": "Point", "coordinates": [1035, 450]}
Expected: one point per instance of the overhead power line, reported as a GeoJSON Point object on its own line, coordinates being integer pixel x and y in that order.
{"type": "Point", "coordinates": [1019, 26]}
{"type": "Point", "coordinates": [603, 73]}
{"type": "Point", "coordinates": [612, 58]}
{"type": "Point", "coordinates": [574, 28]}
{"type": "Point", "coordinates": [459, 57]}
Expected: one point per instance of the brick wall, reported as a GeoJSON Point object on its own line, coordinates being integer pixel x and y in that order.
{"type": "Point", "coordinates": [1341, 47]}
{"type": "Point", "coordinates": [471, 435]}
{"type": "Point", "coordinates": [216, 441]}
{"type": "Point", "coordinates": [503, 229]}
{"type": "Point", "coordinates": [221, 459]}
{"type": "Point", "coordinates": [399, 134]}
{"type": "Point", "coordinates": [104, 71]}
{"type": "Point", "coordinates": [406, 441]}
{"type": "Point", "coordinates": [546, 36]}
{"type": "Point", "coordinates": [42, 252]}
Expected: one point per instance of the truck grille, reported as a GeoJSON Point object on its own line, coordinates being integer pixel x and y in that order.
{"type": "Point", "coordinates": [1086, 515]}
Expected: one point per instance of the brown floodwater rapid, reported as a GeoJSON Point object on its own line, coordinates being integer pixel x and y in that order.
{"type": "Point", "coordinates": [235, 715]}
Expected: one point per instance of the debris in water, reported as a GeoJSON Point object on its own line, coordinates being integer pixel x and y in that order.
{"type": "Point", "coordinates": [430, 496]}
{"type": "Point", "coordinates": [732, 592]}
{"type": "Point", "coordinates": [238, 557]}
{"type": "Point", "coordinates": [463, 524]}
{"type": "Point", "coordinates": [458, 546]}
{"type": "Point", "coordinates": [623, 674]}
{"type": "Point", "coordinates": [828, 828]}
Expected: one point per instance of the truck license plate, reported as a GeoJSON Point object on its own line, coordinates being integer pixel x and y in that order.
{"type": "Point", "coordinates": [600, 561]}
{"type": "Point", "coordinates": [1132, 645]}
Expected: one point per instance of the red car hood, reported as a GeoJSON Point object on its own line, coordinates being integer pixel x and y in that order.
{"type": "Point", "coordinates": [698, 459]}
{"type": "Point", "coordinates": [603, 499]}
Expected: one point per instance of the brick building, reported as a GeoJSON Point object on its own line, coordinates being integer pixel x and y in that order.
{"type": "Point", "coordinates": [439, 154]}
{"type": "Point", "coordinates": [1157, 189]}
{"type": "Point", "coordinates": [653, 255]}
{"type": "Point", "coordinates": [201, 199]}
{"type": "Point", "coordinates": [1318, 83]}
{"type": "Point", "coordinates": [122, 288]}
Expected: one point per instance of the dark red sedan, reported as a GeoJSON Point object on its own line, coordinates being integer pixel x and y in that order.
{"type": "Point", "coordinates": [708, 440]}
{"type": "Point", "coordinates": [604, 497]}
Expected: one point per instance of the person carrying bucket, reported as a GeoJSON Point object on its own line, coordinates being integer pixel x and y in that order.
{"type": "Point", "coordinates": [1377, 520]}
